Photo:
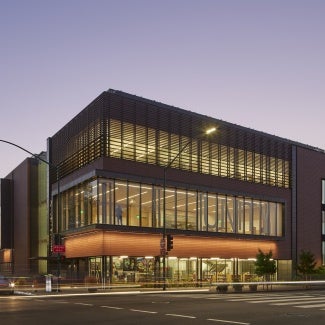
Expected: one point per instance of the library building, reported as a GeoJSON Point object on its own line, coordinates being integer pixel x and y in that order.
{"type": "Point", "coordinates": [139, 191]}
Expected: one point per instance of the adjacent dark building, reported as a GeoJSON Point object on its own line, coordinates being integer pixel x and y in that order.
{"type": "Point", "coordinates": [23, 219]}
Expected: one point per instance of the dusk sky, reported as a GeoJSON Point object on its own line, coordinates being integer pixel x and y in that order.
{"type": "Point", "coordinates": [260, 64]}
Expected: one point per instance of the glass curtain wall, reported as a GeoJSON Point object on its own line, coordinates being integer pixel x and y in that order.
{"type": "Point", "coordinates": [125, 203]}
{"type": "Point", "coordinates": [191, 271]}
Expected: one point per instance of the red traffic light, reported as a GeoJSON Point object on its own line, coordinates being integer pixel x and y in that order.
{"type": "Point", "coordinates": [170, 243]}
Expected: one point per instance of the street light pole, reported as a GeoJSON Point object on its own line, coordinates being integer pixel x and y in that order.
{"type": "Point", "coordinates": [207, 132]}
{"type": "Point", "coordinates": [30, 153]}
{"type": "Point", "coordinates": [164, 210]}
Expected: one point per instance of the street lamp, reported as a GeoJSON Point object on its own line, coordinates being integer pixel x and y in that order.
{"type": "Point", "coordinates": [58, 186]}
{"type": "Point", "coordinates": [207, 132]}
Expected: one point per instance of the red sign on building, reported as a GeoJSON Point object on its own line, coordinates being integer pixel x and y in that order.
{"type": "Point", "coordinates": [58, 249]}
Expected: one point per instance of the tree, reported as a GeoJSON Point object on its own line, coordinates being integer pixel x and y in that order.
{"type": "Point", "coordinates": [307, 263]}
{"type": "Point", "coordinates": [265, 265]}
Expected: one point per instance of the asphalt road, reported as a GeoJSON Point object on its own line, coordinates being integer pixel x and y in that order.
{"type": "Point", "coordinates": [287, 308]}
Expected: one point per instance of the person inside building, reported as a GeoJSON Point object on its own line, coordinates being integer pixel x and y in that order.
{"type": "Point", "coordinates": [118, 214]}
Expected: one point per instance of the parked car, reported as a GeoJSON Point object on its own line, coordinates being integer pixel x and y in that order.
{"type": "Point", "coordinates": [6, 285]}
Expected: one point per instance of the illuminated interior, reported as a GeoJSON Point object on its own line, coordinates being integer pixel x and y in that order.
{"type": "Point", "coordinates": [95, 202]}
{"type": "Point", "coordinates": [147, 145]}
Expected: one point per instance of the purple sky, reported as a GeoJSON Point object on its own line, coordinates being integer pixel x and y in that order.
{"type": "Point", "coordinates": [256, 63]}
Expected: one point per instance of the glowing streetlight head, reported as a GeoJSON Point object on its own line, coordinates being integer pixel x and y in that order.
{"type": "Point", "coordinates": [211, 130]}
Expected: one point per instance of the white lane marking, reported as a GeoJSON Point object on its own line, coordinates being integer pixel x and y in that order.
{"type": "Point", "coordinates": [111, 307]}
{"type": "Point", "coordinates": [83, 304]}
{"type": "Point", "coordinates": [227, 321]}
{"type": "Point", "coordinates": [144, 311]}
{"type": "Point", "coordinates": [178, 315]}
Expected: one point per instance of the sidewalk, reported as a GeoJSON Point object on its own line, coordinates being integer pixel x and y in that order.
{"type": "Point", "coordinates": [217, 288]}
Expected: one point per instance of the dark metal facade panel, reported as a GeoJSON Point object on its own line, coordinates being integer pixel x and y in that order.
{"type": "Point", "coordinates": [310, 172]}
{"type": "Point", "coordinates": [115, 106]}
{"type": "Point", "coordinates": [20, 179]}
{"type": "Point", "coordinates": [152, 117]}
{"type": "Point", "coordinates": [294, 255]}
{"type": "Point", "coordinates": [86, 138]}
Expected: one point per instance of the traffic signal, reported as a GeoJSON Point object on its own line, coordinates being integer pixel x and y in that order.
{"type": "Point", "coordinates": [61, 258]}
{"type": "Point", "coordinates": [169, 242]}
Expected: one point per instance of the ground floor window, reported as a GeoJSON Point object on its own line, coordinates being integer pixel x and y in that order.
{"type": "Point", "coordinates": [148, 270]}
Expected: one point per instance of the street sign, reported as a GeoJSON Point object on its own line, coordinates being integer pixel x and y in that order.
{"type": "Point", "coordinates": [58, 249]}
{"type": "Point", "coordinates": [162, 244]}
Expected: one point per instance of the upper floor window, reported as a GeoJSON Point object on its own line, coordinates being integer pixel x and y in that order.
{"type": "Point", "coordinates": [118, 202]}
{"type": "Point", "coordinates": [147, 145]}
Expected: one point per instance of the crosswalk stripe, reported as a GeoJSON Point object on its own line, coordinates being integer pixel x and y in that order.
{"type": "Point", "coordinates": [277, 300]}
{"type": "Point", "coordinates": [311, 306]}
{"type": "Point", "coordinates": [231, 297]}
{"type": "Point", "coordinates": [319, 299]}
{"type": "Point", "coordinates": [264, 299]}
{"type": "Point", "coordinates": [261, 295]}
{"type": "Point", "coordinates": [298, 301]}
